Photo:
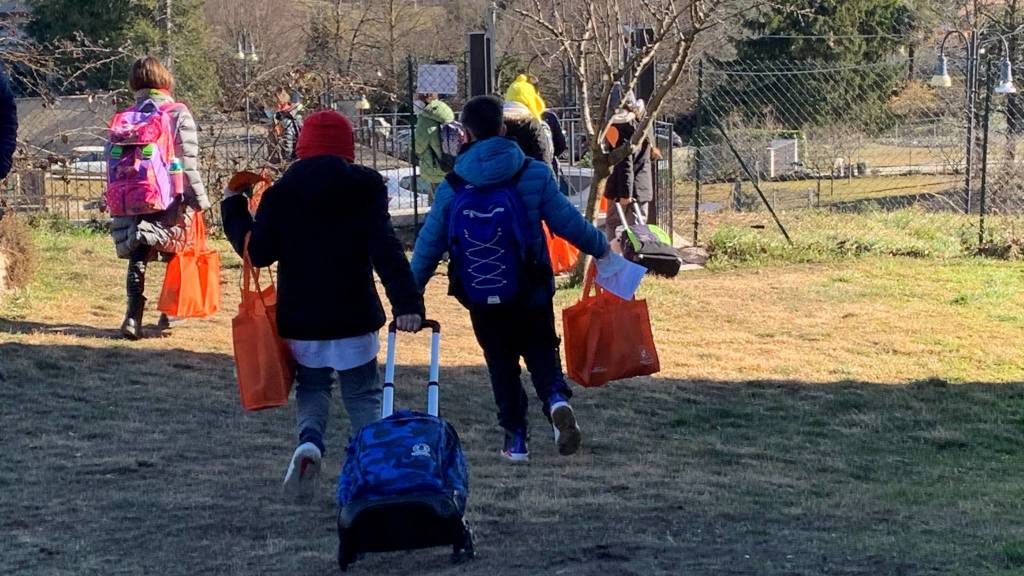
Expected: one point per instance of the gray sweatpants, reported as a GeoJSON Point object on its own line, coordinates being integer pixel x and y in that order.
{"type": "Point", "coordinates": [360, 389]}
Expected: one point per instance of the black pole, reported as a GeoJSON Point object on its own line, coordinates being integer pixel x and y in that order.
{"type": "Point", "coordinates": [972, 85]}
{"type": "Point", "coordinates": [984, 158]}
{"type": "Point", "coordinates": [413, 159]}
{"type": "Point", "coordinates": [697, 135]}
{"type": "Point", "coordinates": [753, 180]}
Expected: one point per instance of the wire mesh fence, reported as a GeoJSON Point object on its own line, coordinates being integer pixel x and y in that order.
{"type": "Point", "coordinates": [799, 136]}
{"type": "Point", "coordinates": [60, 167]}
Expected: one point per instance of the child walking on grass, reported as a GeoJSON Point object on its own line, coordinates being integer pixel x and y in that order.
{"type": "Point", "coordinates": [326, 224]}
{"type": "Point", "coordinates": [507, 284]}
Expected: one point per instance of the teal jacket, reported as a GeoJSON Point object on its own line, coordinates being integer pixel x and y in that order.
{"type": "Point", "coordinates": [497, 160]}
{"type": "Point", "coordinates": [428, 140]}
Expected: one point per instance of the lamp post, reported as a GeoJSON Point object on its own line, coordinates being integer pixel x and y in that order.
{"type": "Point", "coordinates": [245, 41]}
{"type": "Point", "coordinates": [941, 79]}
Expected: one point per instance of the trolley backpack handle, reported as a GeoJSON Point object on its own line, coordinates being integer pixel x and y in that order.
{"type": "Point", "coordinates": [433, 388]}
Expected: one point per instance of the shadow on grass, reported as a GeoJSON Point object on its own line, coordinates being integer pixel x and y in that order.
{"type": "Point", "coordinates": [76, 330]}
{"type": "Point", "coordinates": [139, 461]}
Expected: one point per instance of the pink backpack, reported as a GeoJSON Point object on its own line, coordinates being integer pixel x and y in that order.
{"type": "Point", "coordinates": [143, 176]}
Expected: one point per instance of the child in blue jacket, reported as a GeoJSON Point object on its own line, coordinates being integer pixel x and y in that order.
{"type": "Point", "coordinates": [524, 329]}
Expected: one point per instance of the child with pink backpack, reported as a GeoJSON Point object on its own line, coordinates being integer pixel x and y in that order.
{"type": "Point", "coordinates": [154, 189]}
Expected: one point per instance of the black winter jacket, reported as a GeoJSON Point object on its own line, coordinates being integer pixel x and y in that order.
{"type": "Point", "coordinates": [326, 224]}
{"type": "Point", "coordinates": [633, 177]}
{"type": "Point", "coordinates": [8, 126]}
{"type": "Point", "coordinates": [531, 136]}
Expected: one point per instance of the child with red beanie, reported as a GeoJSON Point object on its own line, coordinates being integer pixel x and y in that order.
{"type": "Point", "coordinates": [326, 225]}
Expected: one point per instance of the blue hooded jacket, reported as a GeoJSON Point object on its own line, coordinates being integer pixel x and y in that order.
{"type": "Point", "coordinates": [496, 160]}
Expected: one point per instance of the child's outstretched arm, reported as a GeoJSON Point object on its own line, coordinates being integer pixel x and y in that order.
{"type": "Point", "coordinates": [432, 242]}
{"type": "Point", "coordinates": [238, 222]}
{"type": "Point", "coordinates": [566, 221]}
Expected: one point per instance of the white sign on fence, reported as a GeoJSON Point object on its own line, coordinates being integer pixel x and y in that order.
{"type": "Point", "coordinates": [437, 79]}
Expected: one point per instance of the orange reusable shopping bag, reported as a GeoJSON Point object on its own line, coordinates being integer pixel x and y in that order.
{"type": "Point", "coordinates": [607, 338]}
{"type": "Point", "coordinates": [192, 284]}
{"type": "Point", "coordinates": [263, 364]}
{"type": "Point", "coordinates": [563, 255]}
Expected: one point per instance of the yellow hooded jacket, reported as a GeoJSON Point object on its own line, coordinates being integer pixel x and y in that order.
{"type": "Point", "coordinates": [526, 94]}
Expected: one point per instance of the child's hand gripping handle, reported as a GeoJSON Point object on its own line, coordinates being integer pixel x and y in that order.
{"type": "Point", "coordinates": [433, 387]}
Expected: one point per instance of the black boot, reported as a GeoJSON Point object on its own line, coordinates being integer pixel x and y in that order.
{"type": "Point", "coordinates": [131, 328]}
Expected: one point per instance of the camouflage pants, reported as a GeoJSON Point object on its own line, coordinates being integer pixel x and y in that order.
{"type": "Point", "coordinates": [360, 389]}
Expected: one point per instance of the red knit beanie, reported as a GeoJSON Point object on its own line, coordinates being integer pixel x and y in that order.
{"type": "Point", "coordinates": [326, 133]}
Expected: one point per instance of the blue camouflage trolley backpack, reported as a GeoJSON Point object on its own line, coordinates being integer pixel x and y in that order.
{"type": "Point", "coordinates": [487, 240]}
{"type": "Point", "coordinates": [405, 481]}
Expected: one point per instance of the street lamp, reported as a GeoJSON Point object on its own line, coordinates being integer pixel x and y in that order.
{"type": "Point", "coordinates": [1006, 85]}
{"type": "Point", "coordinates": [245, 40]}
{"type": "Point", "coordinates": [942, 79]}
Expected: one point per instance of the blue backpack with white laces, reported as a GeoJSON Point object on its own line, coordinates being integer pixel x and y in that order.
{"type": "Point", "coordinates": [487, 241]}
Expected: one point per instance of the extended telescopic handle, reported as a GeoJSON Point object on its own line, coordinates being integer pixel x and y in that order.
{"type": "Point", "coordinates": [433, 387]}
{"type": "Point", "coordinates": [433, 325]}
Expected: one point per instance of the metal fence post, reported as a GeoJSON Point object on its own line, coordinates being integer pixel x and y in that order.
{"type": "Point", "coordinates": [697, 160]}
{"type": "Point", "coordinates": [413, 160]}
{"type": "Point", "coordinates": [984, 157]}
{"type": "Point", "coordinates": [972, 84]}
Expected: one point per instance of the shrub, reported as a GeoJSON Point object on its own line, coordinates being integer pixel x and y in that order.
{"type": "Point", "coordinates": [17, 251]}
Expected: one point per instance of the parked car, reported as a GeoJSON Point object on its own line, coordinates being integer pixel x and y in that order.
{"type": "Point", "coordinates": [400, 195]}
{"type": "Point", "coordinates": [85, 162]}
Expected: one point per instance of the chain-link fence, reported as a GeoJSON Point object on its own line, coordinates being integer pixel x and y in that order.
{"type": "Point", "coordinates": [60, 167]}
{"type": "Point", "coordinates": [793, 136]}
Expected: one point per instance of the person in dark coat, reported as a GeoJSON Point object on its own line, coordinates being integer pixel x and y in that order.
{"type": "Point", "coordinates": [530, 133]}
{"type": "Point", "coordinates": [8, 126]}
{"type": "Point", "coordinates": [558, 142]}
{"type": "Point", "coordinates": [286, 126]}
{"type": "Point", "coordinates": [326, 225]}
{"type": "Point", "coordinates": [631, 183]}
{"type": "Point", "coordinates": [142, 239]}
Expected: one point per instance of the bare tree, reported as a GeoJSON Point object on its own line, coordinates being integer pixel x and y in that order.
{"type": "Point", "coordinates": [590, 36]}
{"type": "Point", "coordinates": [56, 68]}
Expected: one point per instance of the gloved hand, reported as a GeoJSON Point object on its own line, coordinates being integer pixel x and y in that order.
{"type": "Point", "coordinates": [618, 275]}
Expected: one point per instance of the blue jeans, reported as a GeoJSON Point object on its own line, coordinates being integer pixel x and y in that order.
{"type": "Point", "coordinates": [360, 389]}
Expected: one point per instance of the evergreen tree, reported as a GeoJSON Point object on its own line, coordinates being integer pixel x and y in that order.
{"type": "Point", "coordinates": [851, 42]}
{"type": "Point", "coordinates": [137, 22]}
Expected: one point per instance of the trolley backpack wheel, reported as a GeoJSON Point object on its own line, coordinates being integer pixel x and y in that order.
{"type": "Point", "coordinates": [404, 482]}
{"type": "Point", "coordinates": [464, 550]}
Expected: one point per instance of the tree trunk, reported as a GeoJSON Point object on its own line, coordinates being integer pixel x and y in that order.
{"type": "Point", "coordinates": [602, 170]}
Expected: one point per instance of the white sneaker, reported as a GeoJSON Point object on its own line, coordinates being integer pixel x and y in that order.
{"type": "Point", "coordinates": [303, 472]}
{"type": "Point", "coordinates": [567, 432]}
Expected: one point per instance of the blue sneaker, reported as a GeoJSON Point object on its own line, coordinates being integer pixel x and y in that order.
{"type": "Point", "coordinates": [515, 449]}
{"type": "Point", "coordinates": [563, 421]}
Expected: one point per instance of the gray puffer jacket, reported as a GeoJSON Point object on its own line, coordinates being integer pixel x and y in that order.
{"type": "Point", "coordinates": [167, 231]}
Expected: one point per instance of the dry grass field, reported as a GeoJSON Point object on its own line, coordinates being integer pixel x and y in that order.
{"type": "Point", "coordinates": [862, 417]}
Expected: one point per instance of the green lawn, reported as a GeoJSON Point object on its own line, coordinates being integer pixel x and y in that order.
{"type": "Point", "coordinates": [859, 414]}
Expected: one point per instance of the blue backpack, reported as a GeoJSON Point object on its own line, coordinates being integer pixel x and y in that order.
{"type": "Point", "coordinates": [405, 481]}
{"type": "Point", "coordinates": [487, 240]}
{"type": "Point", "coordinates": [406, 453]}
